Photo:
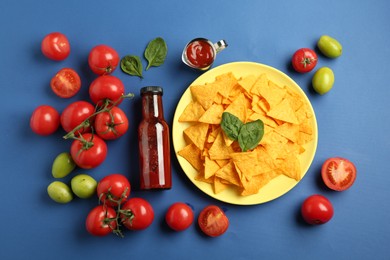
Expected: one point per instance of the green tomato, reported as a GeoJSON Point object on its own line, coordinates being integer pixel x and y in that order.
{"type": "Point", "coordinates": [63, 165]}
{"type": "Point", "coordinates": [59, 192]}
{"type": "Point", "coordinates": [83, 185]}
{"type": "Point", "coordinates": [323, 80]}
{"type": "Point", "coordinates": [329, 46]}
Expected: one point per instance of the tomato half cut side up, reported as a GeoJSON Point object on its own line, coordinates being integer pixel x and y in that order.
{"type": "Point", "coordinates": [338, 173]}
{"type": "Point", "coordinates": [213, 221]}
{"type": "Point", "coordinates": [66, 83]}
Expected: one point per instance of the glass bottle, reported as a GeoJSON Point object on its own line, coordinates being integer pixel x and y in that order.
{"type": "Point", "coordinates": [153, 142]}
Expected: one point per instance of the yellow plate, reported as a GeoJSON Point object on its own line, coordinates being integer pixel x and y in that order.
{"type": "Point", "coordinates": [276, 187]}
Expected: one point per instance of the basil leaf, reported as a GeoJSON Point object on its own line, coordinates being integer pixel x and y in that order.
{"type": "Point", "coordinates": [250, 135]}
{"type": "Point", "coordinates": [156, 52]}
{"type": "Point", "coordinates": [132, 65]}
{"type": "Point", "coordinates": [231, 125]}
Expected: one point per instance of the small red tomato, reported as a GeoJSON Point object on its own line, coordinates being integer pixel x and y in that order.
{"type": "Point", "coordinates": [66, 83]}
{"type": "Point", "coordinates": [142, 214]}
{"type": "Point", "coordinates": [75, 114]}
{"type": "Point", "coordinates": [88, 151]}
{"type": "Point", "coordinates": [111, 125]}
{"type": "Point", "coordinates": [304, 60]}
{"type": "Point", "coordinates": [103, 59]}
{"type": "Point", "coordinates": [213, 221]}
{"type": "Point", "coordinates": [55, 46]}
{"type": "Point", "coordinates": [44, 120]}
{"type": "Point", "coordinates": [106, 87]}
{"type": "Point", "coordinates": [113, 189]}
{"type": "Point", "coordinates": [338, 173]}
{"type": "Point", "coordinates": [317, 210]}
{"type": "Point", "coordinates": [101, 221]}
{"type": "Point", "coordinates": [179, 216]}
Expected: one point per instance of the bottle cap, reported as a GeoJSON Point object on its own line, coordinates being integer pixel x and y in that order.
{"type": "Point", "coordinates": [152, 89]}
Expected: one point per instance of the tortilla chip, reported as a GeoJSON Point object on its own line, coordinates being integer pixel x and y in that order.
{"type": "Point", "coordinates": [192, 112]}
{"type": "Point", "coordinates": [213, 115]}
{"type": "Point", "coordinates": [197, 134]}
{"type": "Point", "coordinates": [193, 155]}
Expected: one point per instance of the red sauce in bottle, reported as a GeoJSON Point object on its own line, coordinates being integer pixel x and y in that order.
{"type": "Point", "coordinates": [153, 142]}
{"type": "Point", "coordinates": [200, 53]}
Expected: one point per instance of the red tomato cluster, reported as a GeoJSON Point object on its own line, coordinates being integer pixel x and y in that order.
{"type": "Point", "coordinates": [90, 124]}
{"type": "Point", "coordinates": [117, 208]}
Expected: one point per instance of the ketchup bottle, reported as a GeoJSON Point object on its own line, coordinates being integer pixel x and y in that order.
{"type": "Point", "coordinates": [153, 142]}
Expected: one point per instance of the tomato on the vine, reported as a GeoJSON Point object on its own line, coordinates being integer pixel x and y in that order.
{"type": "Point", "coordinates": [88, 151]}
{"type": "Point", "coordinates": [101, 221]}
{"type": "Point", "coordinates": [111, 125]}
{"type": "Point", "coordinates": [106, 87]}
{"type": "Point", "coordinates": [113, 189]}
{"type": "Point", "coordinates": [213, 221]}
{"type": "Point", "coordinates": [338, 173]}
{"type": "Point", "coordinates": [75, 114]}
{"type": "Point", "coordinates": [304, 60]}
{"type": "Point", "coordinates": [179, 216]}
{"type": "Point", "coordinates": [140, 211]}
{"type": "Point", "coordinates": [103, 59]}
{"type": "Point", "coordinates": [55, 46]}
{"type": "Point", "coordinates": [44, 120]}
{"type": "Point", "coordinates": [317, 210]}
{"type": "Point", "coordinates": [66, 83]}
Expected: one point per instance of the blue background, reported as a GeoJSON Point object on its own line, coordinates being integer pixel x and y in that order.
{"type": "Point", "coordinates": [353, 121]}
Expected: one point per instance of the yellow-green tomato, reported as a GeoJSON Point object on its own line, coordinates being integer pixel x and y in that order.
{"type": "Point", "coordinates": [323, 80]}
{"type": "Point", "coordinates": [329, 46]}
{"type": "Point", "coordinates": [83, 185]}
{"type": "Point", "coordinates": [60, 192]}
{"type": "Point", "coordinates": [63, 165]}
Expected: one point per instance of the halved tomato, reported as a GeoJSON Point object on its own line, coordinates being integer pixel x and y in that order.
{"type": "Point", "coordinates": [338, 173]}
{"type": "Point", "coordinates": [213, 221]}
{"type": "Point", "coordinates": [66, 83]}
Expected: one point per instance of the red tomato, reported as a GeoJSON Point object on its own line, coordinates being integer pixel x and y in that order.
{"type": "Point", "coordinates": [106, 87]}
{"type": "Point", "coordinates": [66, 83]}
{"type": "Point", "coordinates": [304, 60]}
{"type": "Point", "coordinates": [55, 46]}
{"type": "Point", "coordinates": [141, 214]}
{"type": "Point", "coordinates": [74, 114]}
{"type": "Point", "coordinates": [179, 216]}
{"type": "Point", "coordinates": [101, 221]}
{"type": "Point", "coordinates": [111, 125]}
{"type": "Point", "coordinates": [88, 151]}
{"type": "Point", "coordinates": [113, 189]}
{"type": "Point", "coordinates": [338, 173]}
{"type": "Point", "coordinates": [317, 210]}
{"type": "Point", "coordinates": [103, 59]}
{"type": "Point", "coordinates": [213, 221]}
{"type": "Point", "coordinates": [44, 120]}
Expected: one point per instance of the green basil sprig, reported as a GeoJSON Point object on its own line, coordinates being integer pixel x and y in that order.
{"type": "Point", "coordinates": [248, 135]}
{"type": "Point", "coordinates": [132, 65]}
{"type": "Point", "coordinates": [156, 52]}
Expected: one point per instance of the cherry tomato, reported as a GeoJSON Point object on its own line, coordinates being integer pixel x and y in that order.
{"type": "Point", "coordinates": [101, 221]}
{"type": "Point", "coordinates": [106, 87]}
{"type": "Point", "coordinates": [55, 46]}
{"type": "Point", "coordinates": [113, 189]}
{"type": "Point", "coordinates": [66, 83]}
{"type": "Point", "coordinates": [213, 221]}
{"type": "Point", "coordinates": [44, 120]}
{"type": "Point", "coordinates": [103, 59]}
{"type": "Point", "coordinates": [142, 214]}
{"type": "Point", "coordinates": [179, 216]}
{"type": "Point", "coordinates": [74, 114]}
{"type": "Point", "coordinates": [338, 173]}
{"type": "Point", "coordinates": [317, 210]}
{"type": "Point", "coordinates": [323, 80]}
{"type": "Point", "coordinates": [111, 125]}
{"type": "Point", "coordinates": [304, 60]}
{"type": "Point", "coordinates": [88, 151]}
{"type": "Point", "coordinates": [329, 46]}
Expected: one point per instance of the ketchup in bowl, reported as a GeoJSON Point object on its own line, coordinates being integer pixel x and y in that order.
{"type": "Point", "coordinates": [200, 53]}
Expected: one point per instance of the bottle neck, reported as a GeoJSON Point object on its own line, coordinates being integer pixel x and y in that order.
{"type": "Point", "coordinates": [152, 106]}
